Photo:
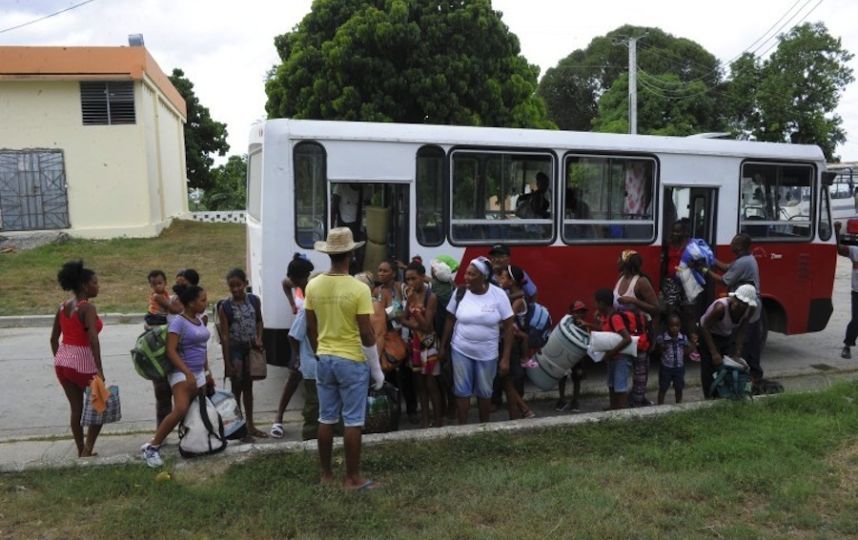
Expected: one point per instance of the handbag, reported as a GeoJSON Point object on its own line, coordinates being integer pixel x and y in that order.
{"type": "Point", "coordinates": [395, 350]}
{"type": "Point", "coordinates": [258, 367]}
{"type": "Point", "coordinates": [112, 413]}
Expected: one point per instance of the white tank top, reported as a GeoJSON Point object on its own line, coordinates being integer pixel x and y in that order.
{"type": "Point", "coordinates": [630, 291]}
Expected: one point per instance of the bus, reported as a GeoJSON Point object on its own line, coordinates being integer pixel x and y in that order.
{"type": "Point", "coordinates": [429, 190]}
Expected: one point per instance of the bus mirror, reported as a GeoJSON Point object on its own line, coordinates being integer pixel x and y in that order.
{"type": "Point", "coordinates": [828, 178]}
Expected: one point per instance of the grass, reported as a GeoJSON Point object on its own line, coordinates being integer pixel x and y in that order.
{"type": "Point", "coordinates": [28, 279]}
{"type": "Point", "coordinates": [784, 466]}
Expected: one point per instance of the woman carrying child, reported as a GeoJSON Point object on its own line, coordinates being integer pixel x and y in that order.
{"type": "Point", "coordinates": [186, 333]}
{"type": "Point", "coordinates": [240, 320]}
{"type": "Point", "coordinates": [77, 359]}
{"type": "Point", "coordinates": [511, 279]}
{"type": "Point", "coordinates": [419, 316]}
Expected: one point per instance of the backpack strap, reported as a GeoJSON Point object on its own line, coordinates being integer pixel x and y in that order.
{"type": "Point", "coordinates": [460, 294]}
{"type": "Point", "coordinates": [226, 304]}
{"type": "Point", "coordinates": [256, 304]}
{"type": "Point", "coordinates": [722, 372]}
{"type": "Point", "coordinates": [204, 415]}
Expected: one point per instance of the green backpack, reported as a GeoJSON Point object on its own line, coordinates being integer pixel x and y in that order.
{"type": "Point", "coordinates": [149, 354]}
{"type": "Point", "coordinates": [731, 383]}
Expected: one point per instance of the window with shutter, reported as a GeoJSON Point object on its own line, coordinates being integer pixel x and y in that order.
{"type": "Point", "coordinates": [107, 103]}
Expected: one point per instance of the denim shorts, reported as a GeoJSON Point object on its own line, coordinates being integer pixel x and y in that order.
{"type": "Point", "coordinates": [175, 377]}
{"type": "Point", "coordinates": [668, 375]}
{"type": "Point", "coordinates": [342, 386]}
{"type": "Point", "coordinates": [472, 377]}
{"type": "Point", "coordinates": [618, 373]}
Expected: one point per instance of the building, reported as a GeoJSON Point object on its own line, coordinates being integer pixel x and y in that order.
{"type": "Point", "coordinates": [91, 142]}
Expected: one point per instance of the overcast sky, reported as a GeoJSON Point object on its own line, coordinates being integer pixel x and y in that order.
{"type": "Point", "coordinates": [226, 47]}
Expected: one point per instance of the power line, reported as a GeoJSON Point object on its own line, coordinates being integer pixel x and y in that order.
{"type": "Point", "coordinates": [806, 15]}
{"type": "Point", "coordinates": [34, 21]}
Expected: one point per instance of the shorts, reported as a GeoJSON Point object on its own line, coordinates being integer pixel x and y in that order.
{"type": "Point", "coordinates": [69, 375]}
{"type": "Point", "coordinates": [473, 377]}
{"type": "Point", "coordinates": [175, 377]}
{"type": "Point", "coordinates": [343, 386]}
{"type": "Point", "coordinates": [618, 373]}
{"type": "Point", "coordinates": [668, 375]}
{"type": "Point", "coordinates": [238, 357]}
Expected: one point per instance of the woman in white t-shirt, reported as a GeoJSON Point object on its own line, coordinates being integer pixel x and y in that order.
{"type": "Point", "coordinates": [476, 320]}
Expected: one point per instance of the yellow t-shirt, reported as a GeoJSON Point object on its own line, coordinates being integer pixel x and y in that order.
{"type": "Point", "coordinates": [337, 301]}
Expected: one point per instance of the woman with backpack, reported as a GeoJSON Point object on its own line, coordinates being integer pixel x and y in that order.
{"type": "Point", "coordinates": [511, 280]}
{"type": "Point", "coordinates": [187, 341]}
{"type": "Point", "coordinates": [633, 292]}
{"type": "Point", "coordinates": [419, 317]}
{"type": "Point", "coordinates": [479, 312]}
{"type": "Point", "coordinates": [77, 359]}
{"type": "Point", "coordinates": [240, 329]}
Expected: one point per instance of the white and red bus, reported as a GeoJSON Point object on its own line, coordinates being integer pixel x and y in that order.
{"type": "Point", "coordinates": [429, 190]}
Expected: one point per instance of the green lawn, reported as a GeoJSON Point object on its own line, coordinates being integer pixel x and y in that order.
{"type": "Point", "coordinates": [28, 279]}
{"type": "Point", "coordinates": [783, 466]}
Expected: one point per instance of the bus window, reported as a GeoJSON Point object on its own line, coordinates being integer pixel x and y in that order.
{"type": "Point", "coordinates": [501, 196]}
{"type": "Point", "coordinates": [824, 215]}
{"type": "Point", "coordinates": [776, 201]}
{"type": "Point", "coordinates": [609, 199]}
{"type": "Point", "coordinates": [254, 184]}
{"type": "Point", "coordinates": [430, 196]}
{"type": "Point", "coordinates": [310, 194]}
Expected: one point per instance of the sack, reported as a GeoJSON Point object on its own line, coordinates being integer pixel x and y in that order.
{"type": "Point", "coordinates": [257, 366]}
{"type": "Point", "coordinates": [201, 430]}
{"type": "Point", "coordinates": [538, 325]}
{"type": "Point", "coordinates": [382, 410]}
{"type": "Point", "coordinates": [731, 383]}
{"type": "Point", "coordinates": [113, 412]}
{"type": "Point", "coordinates": [149, 354]}
{"type": "Point", "coordinates": [395, 350]}
{"type": "Point", "coordinates": [234, 426]}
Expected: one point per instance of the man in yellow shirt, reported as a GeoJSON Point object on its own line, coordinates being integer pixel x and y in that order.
{"type": "Point", "coordinates": [338, 307]}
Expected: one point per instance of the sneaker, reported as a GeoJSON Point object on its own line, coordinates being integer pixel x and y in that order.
{"type": "Point", "coordinates": [846, 353]}
{"type": "Point", "coordinates": [152, 455]}
{"type": "Point", "coordinates": [560, 406]}
{"type": "Point", "coordinates": [567, 406]}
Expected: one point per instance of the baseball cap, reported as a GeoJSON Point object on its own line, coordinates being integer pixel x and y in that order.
{"type": "Point", "coordinates": [747, 294]}
{"type": "Point", "coordinates": [499, 249]}
{"type": "Point", "coordinates": [578, 306]}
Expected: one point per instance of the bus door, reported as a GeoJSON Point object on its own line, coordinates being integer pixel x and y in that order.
{"type": "Point", "coordinates": [696, 209]}
{"type": "Point", "coordinates": [377, 213]}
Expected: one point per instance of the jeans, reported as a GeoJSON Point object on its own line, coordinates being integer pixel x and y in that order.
{"type": "Point", "coordinates": [852, 327]}
{"type": "Point", "coordinates": [343, 386]}
{"type": "Point", "coordinates": [618, 373]}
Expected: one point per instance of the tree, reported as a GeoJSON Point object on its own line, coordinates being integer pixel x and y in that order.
{"type": "Point", "coordinates": [677, 82]}
{"type": "Point", "coordinates": [417, 61]}
{"type": "Point", "coordinates": [792, 95]}
{"type": "Point", "coordinates": [203, 135]}
{"type": "Point", "coordinates": [228, 190]}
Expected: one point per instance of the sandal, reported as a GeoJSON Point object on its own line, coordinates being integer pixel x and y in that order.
{"type": "Point", "coordinates": [258, 434]}
{"type": "Point", "coordinates": [277, 431]}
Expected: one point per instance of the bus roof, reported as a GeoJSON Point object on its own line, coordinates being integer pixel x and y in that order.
{"type": "Point", "coordinates": [322, 130]}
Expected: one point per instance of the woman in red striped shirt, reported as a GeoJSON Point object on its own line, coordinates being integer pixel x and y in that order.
{"type": "Point", "coordinates": [77, 359]}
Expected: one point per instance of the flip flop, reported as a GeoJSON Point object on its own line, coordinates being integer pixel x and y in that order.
{"type": "Point", "coordinates": [369, 485]}
{"type": "Point", "coordinates": [277, 431]}
{"type": "Point", "coordinates": [258, 434]}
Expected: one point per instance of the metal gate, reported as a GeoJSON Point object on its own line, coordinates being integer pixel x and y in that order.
{"type": "Point", "coordinates": [33, 190]}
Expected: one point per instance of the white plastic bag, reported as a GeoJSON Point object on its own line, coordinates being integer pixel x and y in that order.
{"type": "Point", "coordinates": [689, 283]}
{"type": "Point", "coordinates": [602, 342]}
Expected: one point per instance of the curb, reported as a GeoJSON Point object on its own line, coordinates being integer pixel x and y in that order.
{"type": "Point", "coordinates": [241, 452]}
{"type": "Point", "coordinates": [40, 321]}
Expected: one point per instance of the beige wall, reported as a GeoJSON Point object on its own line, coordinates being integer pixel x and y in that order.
{"type": "Point", "coordinates": [114, 178]}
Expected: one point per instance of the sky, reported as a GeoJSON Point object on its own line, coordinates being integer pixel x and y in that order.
{"type": "Point", "coordinates": [226, 47]}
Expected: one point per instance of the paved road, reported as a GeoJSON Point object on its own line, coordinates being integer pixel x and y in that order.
{"type": "Point", "coordinates": [33, 404]}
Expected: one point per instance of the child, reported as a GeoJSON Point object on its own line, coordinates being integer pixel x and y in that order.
{"type": "Point", "coordinates": [618, 365]}
{"type": "Point", "coordinates": [673, 347]}
{"type": "Point", "coordinates": [577, 311]}
{"type": "Point", "coordinates": [159, 300]}
{"type": "Point", "coordinates": [240, 320]}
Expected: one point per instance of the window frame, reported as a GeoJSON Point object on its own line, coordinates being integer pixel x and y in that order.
{"type": "Point", "coordinates": [325, 189]}
{"type": "Point", "coordinates": [656, 201]}
{"type": "Point", "coordinates": [108, 103]}
{"type": "Point", "coordinates": [445, 193]}
{"type": "Point", "coordinates": [484, 241]}
{"type": "Point", "coordinates": [814, 192]}
{"type": "Point", "coordinates": [254, 204]}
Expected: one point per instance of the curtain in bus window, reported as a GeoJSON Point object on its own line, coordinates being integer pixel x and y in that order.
{"type": "Point", "coordinates": [608, 199]}
{"type": "Point", "coordinates": [310, 194]}
{"type": "Point", "coordinates": [776, 201]}
{"type": "Point", "coordinates": [498, 196]}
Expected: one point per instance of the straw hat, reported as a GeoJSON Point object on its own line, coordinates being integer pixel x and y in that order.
{"type": "Point", "coordinates": [340, 240]}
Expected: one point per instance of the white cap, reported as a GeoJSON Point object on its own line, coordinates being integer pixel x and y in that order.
{"type": "Point", "coordinates": [747, 294]}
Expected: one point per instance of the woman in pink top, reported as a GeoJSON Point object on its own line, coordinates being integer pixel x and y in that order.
{"type": "Point", "coordinates": [77, 359]}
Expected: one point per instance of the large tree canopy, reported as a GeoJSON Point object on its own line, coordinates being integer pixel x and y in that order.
{"type": "Point", "coordinates": [229, 186]}
{"type": "Point", "coordinates": [677, 81]}
{"type": "Point", "coordinates": [415, 61]}
{"type": "Point", "coordinates": [792, 95]}
{"type": "Point", "coordinates": [203, 135]}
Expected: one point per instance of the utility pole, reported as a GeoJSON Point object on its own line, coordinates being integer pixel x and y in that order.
{"type": "Point", "coordinates": [633, 85]}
